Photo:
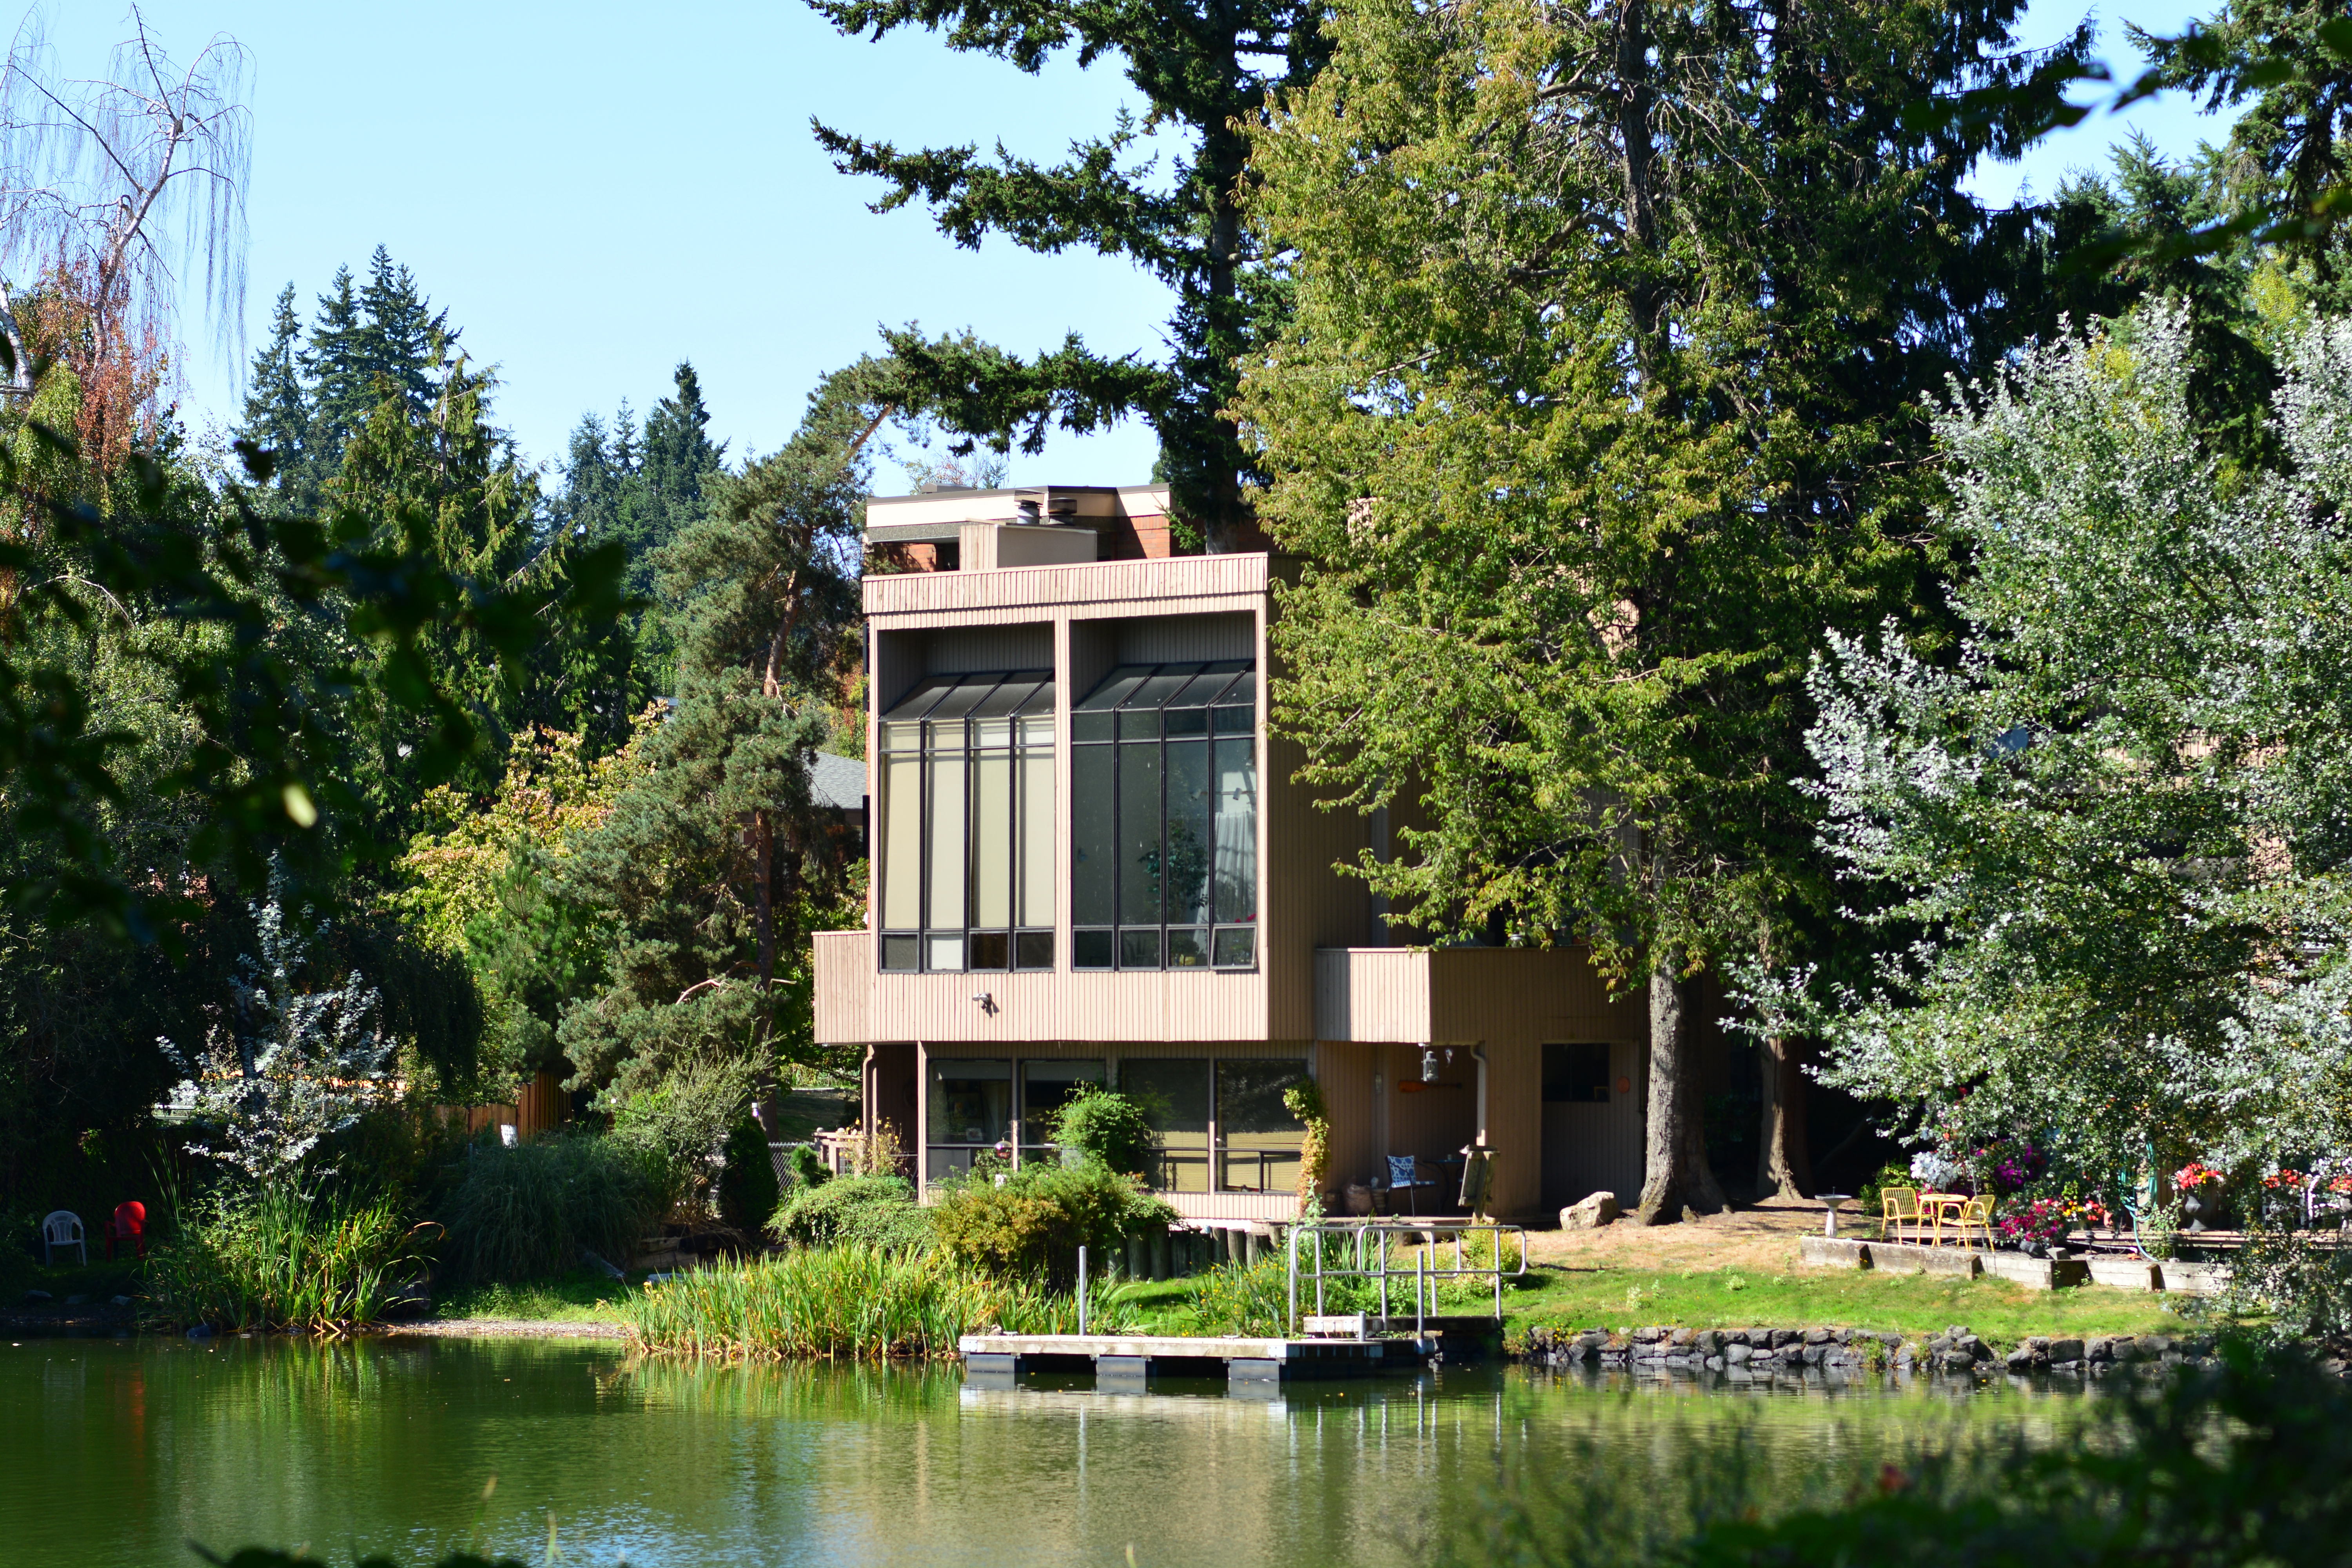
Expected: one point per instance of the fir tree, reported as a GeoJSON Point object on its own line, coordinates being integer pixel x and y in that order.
{"type": "Point", "coordinates": [277, 408]}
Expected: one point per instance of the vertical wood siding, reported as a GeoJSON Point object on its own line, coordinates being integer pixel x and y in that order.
{"type": "Point", "coordinates": [1170, 639]}
{"type": "Point", "coordinates": [843, 961]}
{"type": "Point", "coordinates": [966, 650]}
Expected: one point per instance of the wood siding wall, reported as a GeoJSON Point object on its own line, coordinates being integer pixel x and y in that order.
{"type": "Point", "coordinates": [843, 961]}
{"type": "Point", "coordinates": [1510, 1003]}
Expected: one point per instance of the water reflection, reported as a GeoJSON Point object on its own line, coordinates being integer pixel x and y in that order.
{"type": "Point", "coordinates": [119, 1451]}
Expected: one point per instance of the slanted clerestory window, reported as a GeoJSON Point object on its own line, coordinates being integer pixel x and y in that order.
{"type": "Point", "coordinates": [1163, 799]}
{"type": "Point", "coordinates": [967, 806]}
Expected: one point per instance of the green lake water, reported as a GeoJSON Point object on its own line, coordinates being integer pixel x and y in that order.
{"type": "Point", "coordinates": [120, 1451]}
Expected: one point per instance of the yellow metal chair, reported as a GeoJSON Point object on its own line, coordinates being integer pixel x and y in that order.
{"type": "Point", "coordinates": [1976, 1214]}
{"type": "Point", "coordinates": [1899, 1206]}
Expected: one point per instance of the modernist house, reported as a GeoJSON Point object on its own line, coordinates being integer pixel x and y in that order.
{"type": "Point", "coordinates": [1090, 866]}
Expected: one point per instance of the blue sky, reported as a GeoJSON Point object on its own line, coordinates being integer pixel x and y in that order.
{"type": "Point", "coordinates": [596, 191]}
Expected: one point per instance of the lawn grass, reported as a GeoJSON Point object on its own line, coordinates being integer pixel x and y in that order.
{"type": "Point", "coordinates": [585, 1297]}
{"type": "Point", "coordinates": [1749, 1298]}
{"type": "Point", "coordinates": [1906, 1303]}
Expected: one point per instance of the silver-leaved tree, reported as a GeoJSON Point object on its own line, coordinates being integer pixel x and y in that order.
{"type": "Point", "coordinates": [2114, 832]}
{"type": "Point", "coordinates": [292, 1065]}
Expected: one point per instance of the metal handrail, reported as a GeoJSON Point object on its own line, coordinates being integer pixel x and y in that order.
{"type": "Point", "coordinates": [1424, 1277]}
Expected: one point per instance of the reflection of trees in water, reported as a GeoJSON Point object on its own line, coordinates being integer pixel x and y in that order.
{"type": "Point", "coordinates": [783, 1388]}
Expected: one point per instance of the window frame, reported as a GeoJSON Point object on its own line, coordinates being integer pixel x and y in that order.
{"type": "Point", "coordinates": [1225, 693]}
{"type": "Point", "coordinates": [966, 701]}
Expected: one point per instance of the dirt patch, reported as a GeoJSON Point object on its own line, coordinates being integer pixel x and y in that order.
{"type": "Point", "coordinates": [507, 1328]}
{"type": "Point", "coordinates": [1756, 1236]}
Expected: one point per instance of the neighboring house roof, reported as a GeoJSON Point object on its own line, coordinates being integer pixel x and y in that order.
{"type": "Point", "coordinates": [838, 782]}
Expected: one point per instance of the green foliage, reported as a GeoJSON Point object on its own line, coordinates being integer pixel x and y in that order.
{"type": "Point", "coordinates": [1104, 1125]}
{"type": "Point", "coordinates": [1893, 1173]}
{"type": "Point", "coordinates": [809, 1169]}
{"type": "Point", "coordinates": [848, 1301]}
{"type": "Point", "coordinates": [682, 1118]}
{"type": "Point", "coordinates": [1255, 1299]}
{"type": "Point", "coordinates": [2109, 858]}
{"type": "Point", "coordinates": [1205, 72]}
{"type": "Point", "coordinates": [526, 1212]}
{"type": "Point", "coordinates": [878, 1212]}
{"type": "Point", "coordinates": [748, 1192]}
{"type": "Point", "coordinates": [711, 956]}
{"type": "Point", "coordinates": [282, 1261]}
{"type": "Point", "coordinates": [1032, 1225]}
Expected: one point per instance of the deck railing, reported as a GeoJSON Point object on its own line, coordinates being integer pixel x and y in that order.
{"type": "Point", "coordinates": [1356, 1263]}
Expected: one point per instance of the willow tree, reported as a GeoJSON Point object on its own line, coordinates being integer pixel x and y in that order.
{"type": "Point", "coordinates": [118, 194]}
{"type": "Point", "coordinates": [1601, 401]}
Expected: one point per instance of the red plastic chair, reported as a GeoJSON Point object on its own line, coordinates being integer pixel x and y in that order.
{"type": "Point", "coordinates": [130, 1224]}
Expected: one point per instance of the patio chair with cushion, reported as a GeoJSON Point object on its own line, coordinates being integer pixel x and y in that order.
{"type": "Point", "coordinates": [1899, 1206]}
{"type": "Point", "coordinates": [1404, 1177]}
{"type": "Point", "coordinates": [62, 1228]}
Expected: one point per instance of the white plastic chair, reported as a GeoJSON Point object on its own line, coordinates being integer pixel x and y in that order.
{"type": "Point", "coordinates": [62, 1228]}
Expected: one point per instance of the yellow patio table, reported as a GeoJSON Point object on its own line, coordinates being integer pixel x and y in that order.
{"type": "Point", "coordinates": [1935, 1207]}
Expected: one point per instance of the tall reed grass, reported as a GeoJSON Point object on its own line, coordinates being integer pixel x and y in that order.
{"type": "Point", "coordinates": [849, 1302]}
{"type": "Point", "coordinates": [526, 1212]}
{"type": "Point", "coordinates": [282, 1260]}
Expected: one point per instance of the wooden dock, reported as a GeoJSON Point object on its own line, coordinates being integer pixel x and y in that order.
{"type": "Point", "coordinates": [1129, 1362]}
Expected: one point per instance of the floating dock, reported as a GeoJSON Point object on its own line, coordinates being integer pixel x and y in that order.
{"type": "Point", "coordinates": [1129, 1362]}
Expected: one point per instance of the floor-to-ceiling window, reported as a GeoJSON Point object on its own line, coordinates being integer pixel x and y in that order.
{"type": "Point", "coordinates": [966, 796]}
{"type": "Point", "coordinates": [1164, 818]}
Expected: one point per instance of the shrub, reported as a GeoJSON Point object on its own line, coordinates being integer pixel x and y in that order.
{"type": "Point", "coordinates": [526, 1212]}
{"type": "Point", "coordinates": [808, 1167]}
{"type": "Point", "coordinates": [1102, 1124]}
{"type": "Point", "coordinates": [747, 1185]}
{"type": "Point", "coordinates": [879, 1212]}
{"type": "Point", "coordinates": [683, 1118]}
{"type": "Point", "coordinates": [282, 1260]}
{"type": "Point", "coordinates": [1034, 1224]}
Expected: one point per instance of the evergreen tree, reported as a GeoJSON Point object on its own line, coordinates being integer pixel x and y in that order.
{"type": "Point", "coordinates": [715, 865]}
{"type": "Point", "coordinates": [277, 408]}
{"type": "Point", "coordinates": [1205, 70]}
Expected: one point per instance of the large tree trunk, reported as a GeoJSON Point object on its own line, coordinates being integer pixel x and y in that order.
{"type": "Point", "coordinates": [1676, 1175]}
{"type": "Point", "coordinates": [1782, 1166]}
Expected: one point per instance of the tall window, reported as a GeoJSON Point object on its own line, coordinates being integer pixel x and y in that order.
{"type": "Point", "coordinates": [967, 840]}
{"type": "Point", "coordinates": [1163, 801]}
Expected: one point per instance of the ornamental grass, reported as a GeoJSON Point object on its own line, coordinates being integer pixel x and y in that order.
{"type": "Point", "coordinates": [850, 1303]}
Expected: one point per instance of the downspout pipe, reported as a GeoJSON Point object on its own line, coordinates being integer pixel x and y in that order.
{"type": "Point", "coordinates": [1478, 1055]}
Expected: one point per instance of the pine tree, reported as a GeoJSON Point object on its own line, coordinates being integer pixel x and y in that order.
{"type": "Point", "coordinates": [717, 864]}
{"type": "Point", "coordinates": [1208, 69]}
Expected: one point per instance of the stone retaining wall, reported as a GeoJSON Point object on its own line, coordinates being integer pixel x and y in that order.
{"type": "Point", "coordinates": [1747, 1354]}
{"type": "Point", "coordinates": [2034, 1273]}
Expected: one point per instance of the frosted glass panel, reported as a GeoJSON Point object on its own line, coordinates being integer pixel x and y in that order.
{"type": "Point", "coordinates": [947, 824]}
{"type": "Point", "coordinates": [902, 842]}
{"type": "Point", "coordinates": [1036, 838]}
{"type": "Point", "coordinates": [991, 841]}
